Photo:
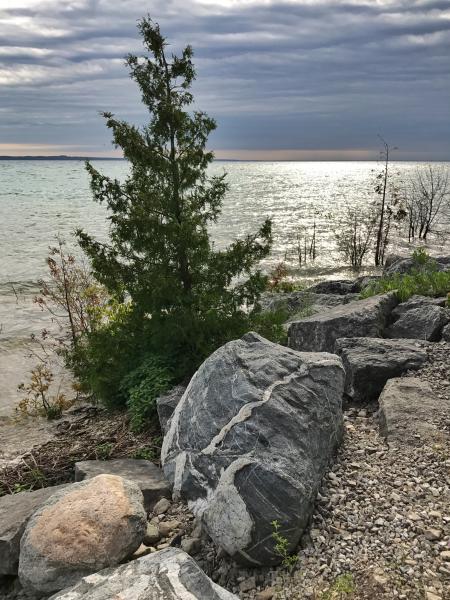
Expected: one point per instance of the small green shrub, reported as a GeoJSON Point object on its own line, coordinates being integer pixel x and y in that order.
{"type": "Point", "coordinates": [103, 451]}
{"type": "Point", "coordinates": [343, 587]}
{"type": "Point", "coordinates": [281, 547]}
{"type": "Point", "coordinates": [145, 453]}
{"type": "Point", "coordinates": [424, 280]}
{"type": "Point", "coordinates": [142, 387]}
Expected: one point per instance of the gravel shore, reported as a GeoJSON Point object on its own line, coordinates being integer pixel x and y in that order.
{"type": "Point", "coordinates": [381, 528]}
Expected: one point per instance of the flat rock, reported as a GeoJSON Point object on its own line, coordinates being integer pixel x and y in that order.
{"type": "Point", "coordinates": [304, 302]}
{"type": "Point", "coordinates": [146, 474]}
{"type": "Point", "coordinates": [370, 362]}
{"type": "Point", "coordinates": [408, 411]}
{"type": "Point", "coordinates": [251, 440]}
{"type": "Point", "coordinates": [15, 510]}
{"type": "Point", "coordinates": [417, 301]}
{"type": "Point", "coordinates": [361, 318]}
{"type": "Point", "coordinates": [169, 574]}
{"type": "Point", "coordinates": [79, 530]}
{"type": "Point", "coordinates": [425, 322]}
{"type": "Point", "coordinates": [167, 403]}
{"type": "Point", "coordinates": [339, 286]}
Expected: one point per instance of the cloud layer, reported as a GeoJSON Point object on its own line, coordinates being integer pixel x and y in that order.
{"type": "Point", "coordinates": [307, 75]}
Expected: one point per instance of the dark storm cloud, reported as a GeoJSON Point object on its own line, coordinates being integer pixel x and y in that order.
{"type": "Point", "coordinates": [310, 74]}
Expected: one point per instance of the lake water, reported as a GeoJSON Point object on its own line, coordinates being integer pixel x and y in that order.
{"type": "Point", "coordinates": [39, 199]}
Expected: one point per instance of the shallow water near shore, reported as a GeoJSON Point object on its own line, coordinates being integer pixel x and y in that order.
{"type": "Point", "coordinates": [39, 199]}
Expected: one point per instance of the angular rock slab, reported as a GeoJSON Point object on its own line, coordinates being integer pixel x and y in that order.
{"type": "Point", "coordinates": [144, 473]}
{"type": "Point", "coordinates": [446, 333]}
{"type": "Point", "coordinates": [423, 323]}
{"type": "Point", "coordinates": [370, 362]}
{"type": "Point", "coordinates": [15, 510]}
{"type": "Point", "coordinates": [409, 410]}
{"type": "Point", "coordinates": [251, 439]}
{"type": "Point", "coordinates": [361, 318]}
{"type": "Point", "coordinates": [417, 301]}
{"type": "Point", "coordinates": [166, 575]}
{"type": "Point", "coordinates": [79, 530]}
{"type": "Point", "coordinates": [304, 301]}
{"type": "Point", "coordinates": [167, 403]}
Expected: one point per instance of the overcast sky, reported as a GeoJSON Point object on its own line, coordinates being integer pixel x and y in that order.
{"type": "Point", "coordinates": [305, 79]}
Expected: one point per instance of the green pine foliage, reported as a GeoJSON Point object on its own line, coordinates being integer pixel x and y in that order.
{"type": "Point", "coordinates": [175, 296]}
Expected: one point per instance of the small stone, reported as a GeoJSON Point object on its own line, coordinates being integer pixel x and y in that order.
{"type": "Point", "coordinates": [266, 594]}
{"type": "Point", "coordinates": [413, 516]}
{"type": "Point", "coordinates": [191, 545]}
{"type": "Point", "coordinates": [445, 555]}
{"type": "Point", "coordinates": [141, 551]}
{"type": "Point", "coordinates": [166, 527]}
{"type": "Point", "coordinates": [152, 535]}
{"type": "Point", "coordinates": [432, 596]}
{"type": "Point", "coordinates": [161, 507]}
{"type": "Point", "coordinates": [247, 585]}
{"type": "Point", "coordinates": [432, 535]}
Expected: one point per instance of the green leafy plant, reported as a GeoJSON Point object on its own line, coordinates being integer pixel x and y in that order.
{"type": "Point", "coordinates": [104, 451]}
{"type": "Point", "coordinates": [342, 588]}
{"type": "Point", "coordinates": [142, 387]}
{"type": "Point", "coordinates": [145, 453]}
{"type": "Point", "coordinates": [281, 548]}
{"type": "Point", "coordinates": [20, 487]}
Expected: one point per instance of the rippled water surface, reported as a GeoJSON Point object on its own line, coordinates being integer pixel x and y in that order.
{"type": "Point", "coordinates": [39, 199]}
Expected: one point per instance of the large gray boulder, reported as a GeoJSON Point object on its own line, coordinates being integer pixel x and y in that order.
{"type": "Point", "coordinates": [15, 510]}
{"type": "Point", "coordinates": [81, 529]}
{"type": "Point", "coordinates": [170, 574]}
{"type": "Point", "coordinates": [409, 411]}
{"type": "Point", "coordinates": [250, 441]}
{"type": "Point", "coordinates": [362, 318]}
{"type": "Point", "coordinates": [370, 362]}
{"type": "Point", "coordinates": [167, 403]}
{"type": "Point", "coordinates": [424, 323]}
{"type": "Point", "coordinates": [401, 265]}
{"type": "Point", "coordinates": [144, 473]}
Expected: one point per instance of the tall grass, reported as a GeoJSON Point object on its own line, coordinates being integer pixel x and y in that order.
{"type": "Point", "coordinates": [424, 280]}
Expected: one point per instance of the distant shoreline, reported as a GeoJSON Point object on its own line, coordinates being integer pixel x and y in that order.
{"type": "Point", "coordinates": [64, 157]}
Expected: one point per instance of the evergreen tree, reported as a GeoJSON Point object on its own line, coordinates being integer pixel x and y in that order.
{"type": "Point", "coordinates": [183, 295]}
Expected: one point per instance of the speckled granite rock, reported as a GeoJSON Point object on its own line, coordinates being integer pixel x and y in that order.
{"type": "Point", "coordinates": [251, 439]}
{"type": "Point", "coordinates": [15, 510]}
{"type": "Point", "coordinates": [370, 362]}
{"type": "Point", "coordinates": [81, 529]}
{"type": "Point", "coordinates": [144, 473]}
{"type": "Point", "coordinates": [170, 574]}
{"type": "Point", "coordinates": [362, 318]}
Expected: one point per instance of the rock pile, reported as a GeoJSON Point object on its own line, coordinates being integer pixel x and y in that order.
{"type": "Point", "coordinates": [248, 446]}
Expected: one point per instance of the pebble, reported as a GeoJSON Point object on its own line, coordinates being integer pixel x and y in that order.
{"type": "Point", "coordinates": [162, 506]}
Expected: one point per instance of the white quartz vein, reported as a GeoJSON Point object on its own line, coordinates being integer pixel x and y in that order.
{"type": "Point", "coordinates": [246, 411]}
